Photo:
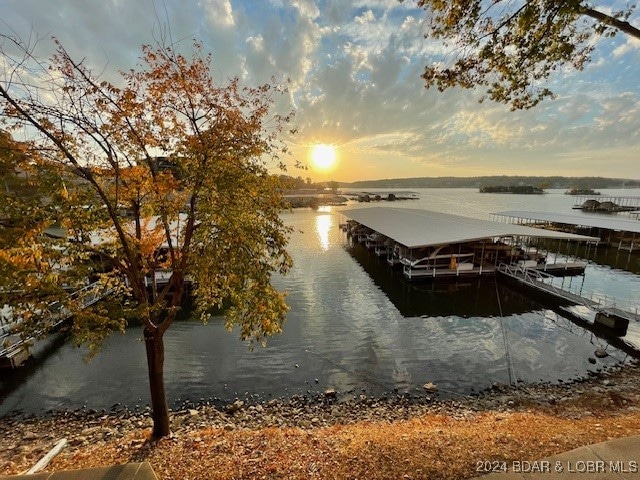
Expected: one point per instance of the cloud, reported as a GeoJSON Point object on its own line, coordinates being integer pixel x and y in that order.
{"type": "Point", "coordinates": [366, 17]}
{"type": "Point", "coordinates": [355, 80]}
{"type": "Point", "coordinates": [630, 46]}
{"type": "Point", "coordinates": [219, 13]}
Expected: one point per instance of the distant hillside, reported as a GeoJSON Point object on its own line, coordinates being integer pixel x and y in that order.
{"type": "Point", "coordinates": [486, 181]}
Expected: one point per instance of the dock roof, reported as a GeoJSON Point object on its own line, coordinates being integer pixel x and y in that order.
{"type": "Point", "coordinates": [585, 220]}
{"type": "Point", "coordinates": [415, 228]}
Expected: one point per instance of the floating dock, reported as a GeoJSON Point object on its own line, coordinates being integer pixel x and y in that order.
{"type": "Point", "coordinates": [434, 245]}
{"type": "Point", "coordinates": [431, 245]}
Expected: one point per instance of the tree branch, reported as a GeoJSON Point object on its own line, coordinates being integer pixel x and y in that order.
{"type": "Point", "coordinates": [621, 25]}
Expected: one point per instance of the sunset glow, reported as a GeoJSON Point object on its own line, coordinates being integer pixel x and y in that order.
{"type": "Point", "coordinates": [352, 76]}
{"type": "Point", "coordinates": [323, 156]}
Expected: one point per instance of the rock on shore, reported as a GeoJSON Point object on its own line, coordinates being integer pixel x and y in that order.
{"type": "Point", "coordinates": [25, 439]}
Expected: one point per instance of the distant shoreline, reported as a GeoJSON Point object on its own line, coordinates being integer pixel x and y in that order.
{"type": "Point", "coordinates": [477, 182]}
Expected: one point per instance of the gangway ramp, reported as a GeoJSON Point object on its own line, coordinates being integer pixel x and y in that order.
{"type": "Point", "coordinates": [604, 306]}
{"type": "Point", "coordinates": [14, 348]}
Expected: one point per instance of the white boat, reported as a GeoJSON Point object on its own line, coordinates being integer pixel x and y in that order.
{"type": "Point", "coordinates": [440, 260]}
{"type": "Point", "coordinates": [440, 257]}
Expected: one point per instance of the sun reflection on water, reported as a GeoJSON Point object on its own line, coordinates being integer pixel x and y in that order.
{"type": "Point", "coordinates": [323, 225]}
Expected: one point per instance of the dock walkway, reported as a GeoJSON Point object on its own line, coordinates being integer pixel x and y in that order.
{"type": "Point", "coordinates": [609, 306]}
{"type": "Point", "coordinates": [13, 348]}
{"type": "Point", "coordinates": [607, 203]}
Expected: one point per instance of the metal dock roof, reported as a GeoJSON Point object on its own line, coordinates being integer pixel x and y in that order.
{"type": "Point", "coordinates": [596, 221]}
{"type": "Point", "coordinates": [415, 228]}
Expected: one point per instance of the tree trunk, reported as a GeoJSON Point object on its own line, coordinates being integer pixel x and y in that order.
{"type": "Point", "coordinates": [154, 344]}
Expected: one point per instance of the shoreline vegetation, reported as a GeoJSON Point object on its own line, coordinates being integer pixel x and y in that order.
{"type": "Point", "coordinates": [554, 182]}
{"type": "Point", "coordinates": [566, 184]}
{"type": "Point", "coordinates": [516, 189]}
{"type": "Point", "coordinates": [361, 437]}
{"type": "Point", "coordinates": [305, 193]}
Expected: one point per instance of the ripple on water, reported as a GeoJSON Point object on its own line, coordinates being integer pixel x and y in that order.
{"type": "Point", "coordinates": [353, 325]}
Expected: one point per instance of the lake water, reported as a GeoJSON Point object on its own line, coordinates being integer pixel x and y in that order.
{"type": "Point", "coordinates": [354, 325]}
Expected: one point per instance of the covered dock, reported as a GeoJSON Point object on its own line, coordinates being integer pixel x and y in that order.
{"type": "Point", "coordinates": [621, 233]}
{"type": "Point", "coordinates": [431, 244]}
{"type": "Point", "coordinates": [607, 203]}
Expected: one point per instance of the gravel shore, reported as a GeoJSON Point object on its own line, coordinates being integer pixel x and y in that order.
{"type": "Point", "coordinates": [110, 437]}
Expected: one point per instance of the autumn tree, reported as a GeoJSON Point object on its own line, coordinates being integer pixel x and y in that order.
{"type": "Point", "coordinates": [158, 182]}
{"type": "Point", "coordinates": [511, 47]}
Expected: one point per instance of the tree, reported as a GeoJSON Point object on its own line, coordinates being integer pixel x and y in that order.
{"type": "Point", "coordinates": [511, 47]}
{"type": "Point", "coordinates": [333, 185]}
{"type": "Point", "coordinates": [165, 173]}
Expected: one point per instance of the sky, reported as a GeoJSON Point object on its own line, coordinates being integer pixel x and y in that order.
{"type": "Point", "coordinates": [354, 68]}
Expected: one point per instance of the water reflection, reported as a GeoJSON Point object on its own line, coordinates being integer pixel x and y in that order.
{"type": "Point", "coordinates": [323, 226]}
{"type": "Point", "coordinates": [352, 325]}
{"type": "Point", "coordinates": [602, 255]}
{"type": "Point", "coordinates": [490, 297]}
{"type": "Point", "coordinates": [483, 297]}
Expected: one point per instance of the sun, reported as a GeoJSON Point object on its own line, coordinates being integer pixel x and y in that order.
{"type": "Point", "coordinates": [323, 156]}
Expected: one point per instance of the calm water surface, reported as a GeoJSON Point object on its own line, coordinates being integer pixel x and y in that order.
{"type": "Point", "coordinates": [354, 325]}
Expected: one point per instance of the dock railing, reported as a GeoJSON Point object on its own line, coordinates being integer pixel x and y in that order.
{"type": "Point", "coordinates": [86, 296]}
{"type": "Point", "coordinates": [594, 300]}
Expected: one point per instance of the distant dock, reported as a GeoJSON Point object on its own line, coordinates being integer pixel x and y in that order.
{"type": "Point", "coordinates": [315, 198]}
{"type": "Point", "coordinates": [381, 195]}
{"type": "Point", "coordinates": [607, 203]}
{"type": "Point", "coordinates": [620, 233]}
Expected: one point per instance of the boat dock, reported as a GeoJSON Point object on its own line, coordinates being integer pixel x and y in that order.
{"type": "Point", "coordinates": [378, 195]}
{"type": "Point", "coordinates": [14, 348]}
{"type": "Point", "coordinates": [620, 233]}
{"type": "Point", "coordinates": [432, 245]}
{"type": "Point", "coordinates": [313, 199]}
{"type": "Point", "coordinates": [606, 203]}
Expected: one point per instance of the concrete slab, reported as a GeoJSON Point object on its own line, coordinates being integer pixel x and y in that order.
{"type": "Point", "coordinates": [35, 476]}
{"type": "Point", "coordinates": [129, 471]}
{"type": "Point", "coordinates": [621, 450]}
{"type": "Point", "coordinates": [581, 462]}
{"type": "Point", "coordinates": [617, 459]}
